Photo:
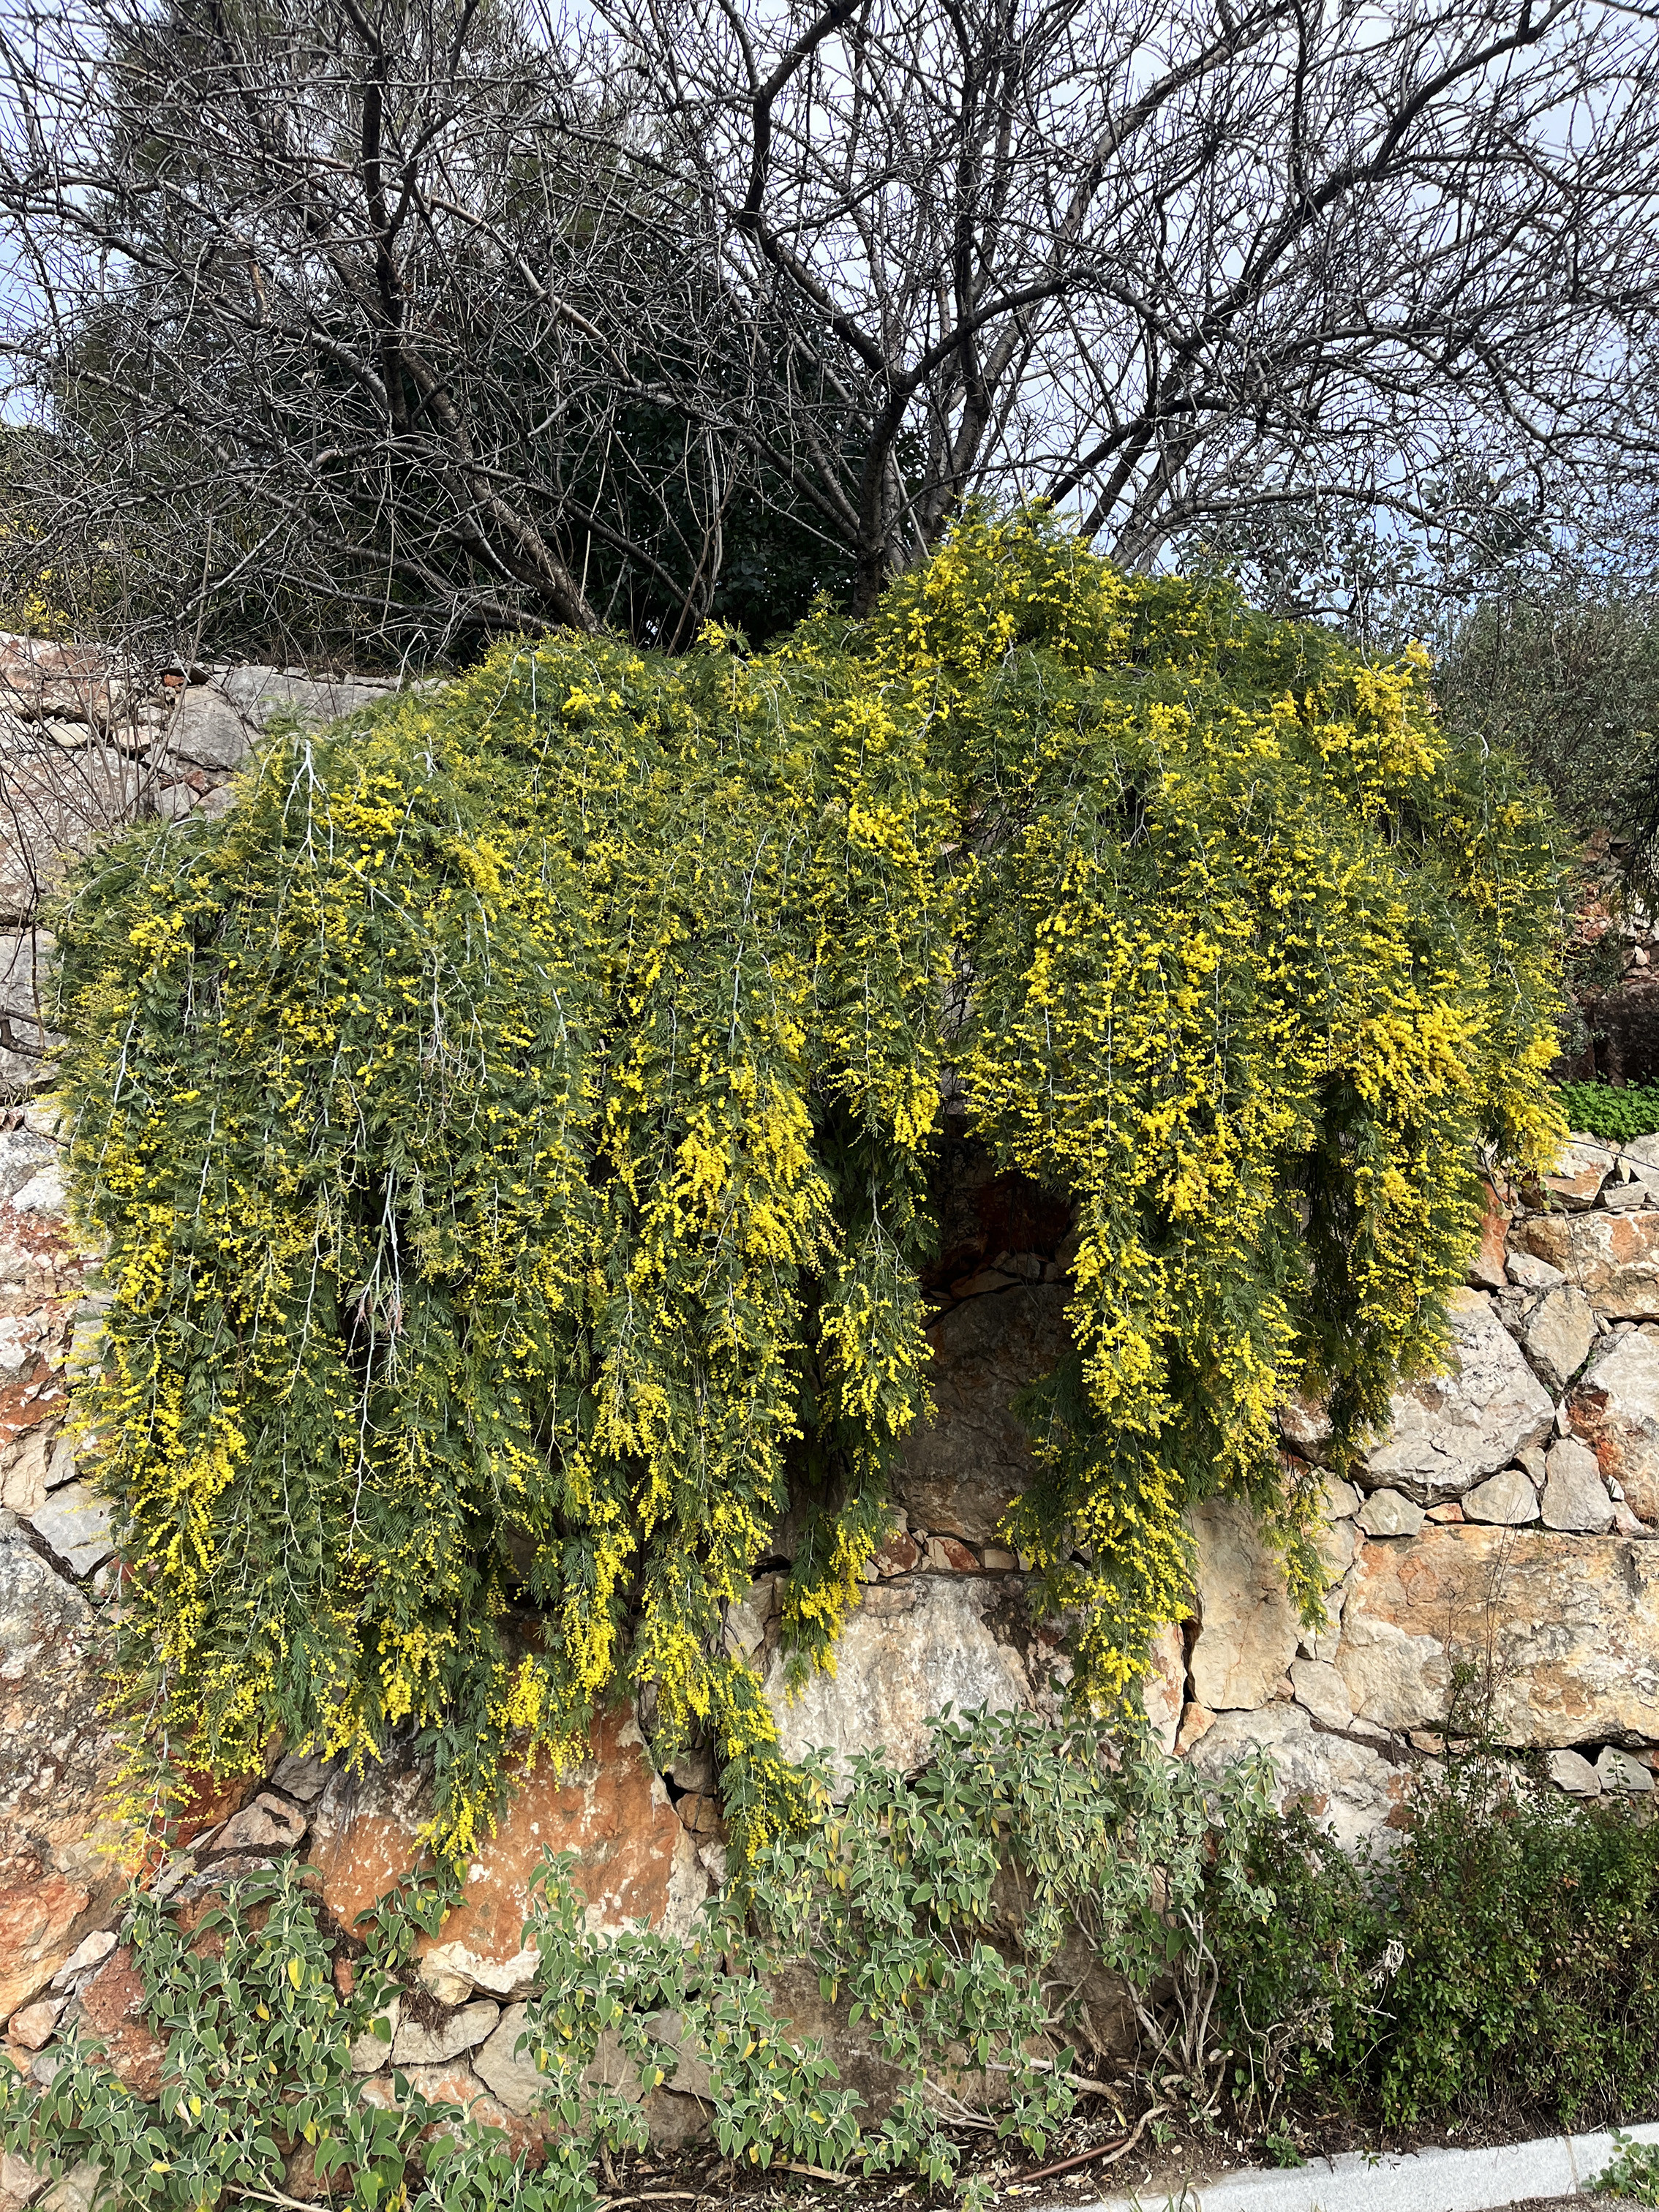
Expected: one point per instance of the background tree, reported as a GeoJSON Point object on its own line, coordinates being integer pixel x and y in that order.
{"type": "Point", "coordinates": [382, 325]}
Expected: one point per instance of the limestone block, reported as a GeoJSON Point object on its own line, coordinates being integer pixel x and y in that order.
{"type": "Point", "coordinates": [1506, 1498]}
{"type": "Point", "coordinates": [1446, 1431]}
{"type": "Point", "coordinates": [1395, 1678]}
{"type": "Point", "coordinates": [1304, 1424]}
{"type": "Point", "coordinates": [914, 1645]}
{"type": "Point", "coordinates": [1248, 1629]}
{"type": "Point", "coordinates": [208, 732]}
{"type": "Point", "coordinates": [508, 1979]}
{"type": "Point", "coordinates": [1617, 1770]}
{"type": "Point", "coordinates": [1615, 1409]}
{"type": "Point", "coordinates": [44, 1194]}
{"type": "Point", "coordinates": [1573, 1771]}
{"type": "Point", "coordinates": [1576, 1180]}
{"type": "Point", "coordinates": [1558, 1335]}
{"type": "Point", "coordinates": [1575, 1496]}
{"type": "Point", "coordinates": [1389, 1513]}
{"type": "Point", "coordinates": [416, 2045]}
{"type": "Point", "coordinates": [75, 1521]}
{"type": "Point", "coordinates": [1532, 1274]}
{"type": "Point", "coordinates": [512, 2075]}
{"type": "Point", "coordinates": [1321, 1688]}
{"type": "Point", "coordinates": [1570, 1625]}
{"type": "Point", "coordinates": [368, 2052]}
{"type": "Point", "coordinates": [1349, 1789]}
{"type": "Point", "coordinates": [959, 1476]}
{"type": "Point", "coordinates": [267, 1825]}
{"type": "Point", "coordinates": [258, 694]}
{"type": "Point", "coordinates": [22, 1156]}
{"type": "Point", "coordinates": [1164, 1688]}
{"type": "Point", "coordinates": [57, 1758]}
{"type": "Point", "coordinates": [1613, 1258]}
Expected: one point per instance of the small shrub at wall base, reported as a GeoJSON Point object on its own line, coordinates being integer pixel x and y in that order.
{"type": "Point", "coordinates": [977, 1924]}
{"type": "Point", "coordinates": [1506, 1956]}
{"type": "Point", "coordinates": [510, 1129]}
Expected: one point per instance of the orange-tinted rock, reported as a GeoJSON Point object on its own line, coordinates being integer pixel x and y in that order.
{"type": "Point", "coordinates": [634, 1859]}
{"type": "Point", "coordinates": [1486, 1269]}
{"type": "Point", "coordinates": [1571, 1623]}
{"type": "Point", "coordinates": [113, 2006]}
{"type": "Point", "coordinates": [36, 1921]}
{"type": "Point", "coordinates": [1613, 1258]}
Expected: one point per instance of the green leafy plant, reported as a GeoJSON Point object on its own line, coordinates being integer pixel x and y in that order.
{"type": "Point", "coordinates": [1633, 2173]}
{"type": "Point", "coordinates": [1611, 1111]}
{"type": "Point", "coordinates": [510, 1126]}
{"type": "Point", "coordinates": [1507, 1951]}
{"type": "Point", "coordinates": [258, 2071]}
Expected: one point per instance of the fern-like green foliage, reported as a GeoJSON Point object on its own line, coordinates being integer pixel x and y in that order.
{"type": "Point", "coordinates": [510, 1129]}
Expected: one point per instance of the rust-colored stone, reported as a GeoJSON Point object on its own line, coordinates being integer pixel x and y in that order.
{"type": "Point", "coordinates": [1571, 1623]}
{"type": "Point", "coordinates": [635, 1861]}
{"type": "Point", "coordinates": [113, 2006]}
{"type": "Point", "coordinates": [36, 1920]}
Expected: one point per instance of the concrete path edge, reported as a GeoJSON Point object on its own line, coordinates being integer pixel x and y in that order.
{"type": "Point", "coordinates": [1412, 2181]}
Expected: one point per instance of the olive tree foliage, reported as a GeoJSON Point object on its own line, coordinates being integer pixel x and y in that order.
{"type": "Point", "coordinates": [388, 326]}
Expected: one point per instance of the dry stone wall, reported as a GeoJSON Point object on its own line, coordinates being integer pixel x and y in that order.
{"type": "Point", "coordinates": [88, 743]}
{"type": "Point", "coordinates": [1496, 1545]}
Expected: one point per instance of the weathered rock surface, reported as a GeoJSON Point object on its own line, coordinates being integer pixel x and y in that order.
{"type": "Point", "coordinates": [57, 1760]}
{"type": "Point", "coordinates": [960, 1475]}
{"type": "Point", "coordinates": [1615, 1409]}
{"type": "Point", "coordinates": [76, 1522]}
{"type": "Point", "coordinates": [1349, 1788]}
{"type": "Point", "coordinates": [207, 732]}
{"type": "Point", "coordinates": [1571, 1624]}
{"type": "Point", "coordinates": [1506, 1498]}
{"type": "Point", "coordinates": [1576, 1180]}
{"type": "Point", "coordinates": [1248, 1627]}
{"type": "Point", "coordinates": [417, 2045]}
{"type": "Point", "coordinates": [1613, 1258]}
{"type": "Point", "coordinates": [634, 1858]}
{"type": "Point", "coordinates": [1390, 1513]}
{"type": "Point", "coordinates": [1557, 1336]}
{"type": "Point", "coordinates": [914, 1646]}
{"type": "Point", "coordinates": [1575, 1496]}
{"type": "Point", "coordinates": [1447, 1431]}
{"type": "Point", "coordinates": [113, 2008]}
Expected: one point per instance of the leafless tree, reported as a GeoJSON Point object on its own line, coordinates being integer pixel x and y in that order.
{"type": "Point", "coordinates": [408, 321]}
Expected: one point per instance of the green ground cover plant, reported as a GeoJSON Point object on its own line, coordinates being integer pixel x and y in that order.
{"type": "Point", "coordinates": [1038, 1923]}
{"type": "Point", "coordinates": [1613, 1111]}
{"type": "Point", "coordinates": [509, 1128]}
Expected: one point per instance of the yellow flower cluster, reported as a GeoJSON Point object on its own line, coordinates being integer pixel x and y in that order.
{"type": "Point", "coordinates": [512, 1125]}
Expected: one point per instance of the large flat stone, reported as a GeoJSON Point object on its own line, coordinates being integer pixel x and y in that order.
{"type": "Point", "coordinates": [1248, 1628]}
{"type": "Point", "coordinates": [635, 1860]}
{"type": "Point", "coordinates": [1557, 1336]}
{"type": "Point", "coordinates": [960, 1475]}
{"type": "Point", "coordinates": [57, 1758]}
{"type": "Point", "coordinates": [1446, 1431]}
{"type": "Point", "coordinates": [1613, 1258]}
{"type": "Point", "coordinates": [1615, 1409]}
{"type": "Point", "coordinates": [1569, 1624]}
{"type": "Point", "coordinates": [259, 694]}
{"type": "Point", "coordinates": [207, 732]}
{"type": "Point", "coordinates": [914, 1646]}
{"type": "Point", "coordinates": [1348, 1789]}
